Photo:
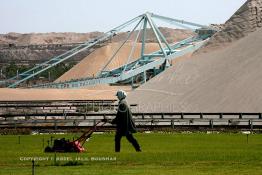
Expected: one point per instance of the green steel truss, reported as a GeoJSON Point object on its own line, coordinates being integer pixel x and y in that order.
{"type": "Point", "coordinates": [154, 62]}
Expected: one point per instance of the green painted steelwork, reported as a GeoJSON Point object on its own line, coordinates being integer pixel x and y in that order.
{"type": "Point", "coordinates": [155, 62]}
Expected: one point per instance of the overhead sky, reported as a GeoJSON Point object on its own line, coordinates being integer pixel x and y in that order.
{"type": "Point", "coordinates": [26, 16]}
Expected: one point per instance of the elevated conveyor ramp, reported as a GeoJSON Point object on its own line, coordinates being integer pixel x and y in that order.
{"type": "Point", "coordinates": [154, 63]}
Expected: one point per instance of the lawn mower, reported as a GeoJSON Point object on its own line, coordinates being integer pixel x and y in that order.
{"type": "Point", "coordinates": [77, 145]}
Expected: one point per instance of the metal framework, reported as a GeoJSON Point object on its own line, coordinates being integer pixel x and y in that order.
{"type": "Point", "coordinates": [156, 61]}
{"type": "Point", "coordinates": [174, 119]}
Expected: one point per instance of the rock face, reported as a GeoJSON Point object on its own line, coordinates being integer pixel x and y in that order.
{"type": "Point", "coordinates": [35, 48]}
{"type": "Point", "coordinates": [35, 54]}
{"type": "Point", "coordinates": [246, 20]}
{"type": "Point", "coordinates": [46, 38]}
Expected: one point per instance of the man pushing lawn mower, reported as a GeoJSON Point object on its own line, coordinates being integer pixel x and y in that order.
{"type": "Point", "coordinates": [125, 125]}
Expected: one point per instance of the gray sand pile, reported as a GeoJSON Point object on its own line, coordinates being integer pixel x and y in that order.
{"type": "Point", "coordinates": [226, 80]}
{"type": "Point", "coordinates": [247, 19]}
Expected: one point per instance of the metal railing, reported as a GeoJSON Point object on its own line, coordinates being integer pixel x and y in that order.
{"type": "Point", "coordinates": [73, 119]}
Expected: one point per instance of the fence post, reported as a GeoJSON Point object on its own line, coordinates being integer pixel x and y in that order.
{"type": "Point", "coordinates": [211, 123]}
{"type": "Point", "coordinates": [64, 114]}
{"type": "Point", "coordinates": [55, 159]}
{"type": "Point", "coordinates": [240, 116]}
{"type": "Point", "coordinates": [172, 124]}
{"type": "Point", "coordinates": [52, 140]}
{"type": "Point", "coordinates": [33, 167]}
{"type": "Point", "coordinates": [251, 124]}
{"type": "Point", "coordinates": [94, 124]}
{"type": "Point", "coordinates": [14, 124]}
{"type": "Point", "coordinates": [55, 124]}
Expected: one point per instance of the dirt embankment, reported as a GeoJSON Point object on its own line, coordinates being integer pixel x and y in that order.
{"type": "Point", "coordinates": [34, 48]}
{"type": "Point", "coordinates": [46, 38]}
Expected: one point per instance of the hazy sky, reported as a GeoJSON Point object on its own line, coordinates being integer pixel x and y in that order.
{"type": "Point", "coordinates": [26, 16]}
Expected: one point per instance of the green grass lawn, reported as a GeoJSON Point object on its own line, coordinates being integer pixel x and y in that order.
{"type": "Point", "coordinates": [163, 153]}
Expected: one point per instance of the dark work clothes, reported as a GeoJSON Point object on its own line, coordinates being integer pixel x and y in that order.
{"type": "Point", "coordinates": [130, 138]}
{"type": "Point", "coordinates": [125, 126]}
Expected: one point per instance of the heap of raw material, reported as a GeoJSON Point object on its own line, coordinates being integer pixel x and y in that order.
{"type": "Point", "coordinates": [94, 62]}
{"type": "Point", "coordinates": [92, 93]}
{"type": "Point", "coordinates": [226, 80]}
{"type": "Point", "coordinates": [247, 19]}
{"type": "Point", "coordinates": [171, 35]}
